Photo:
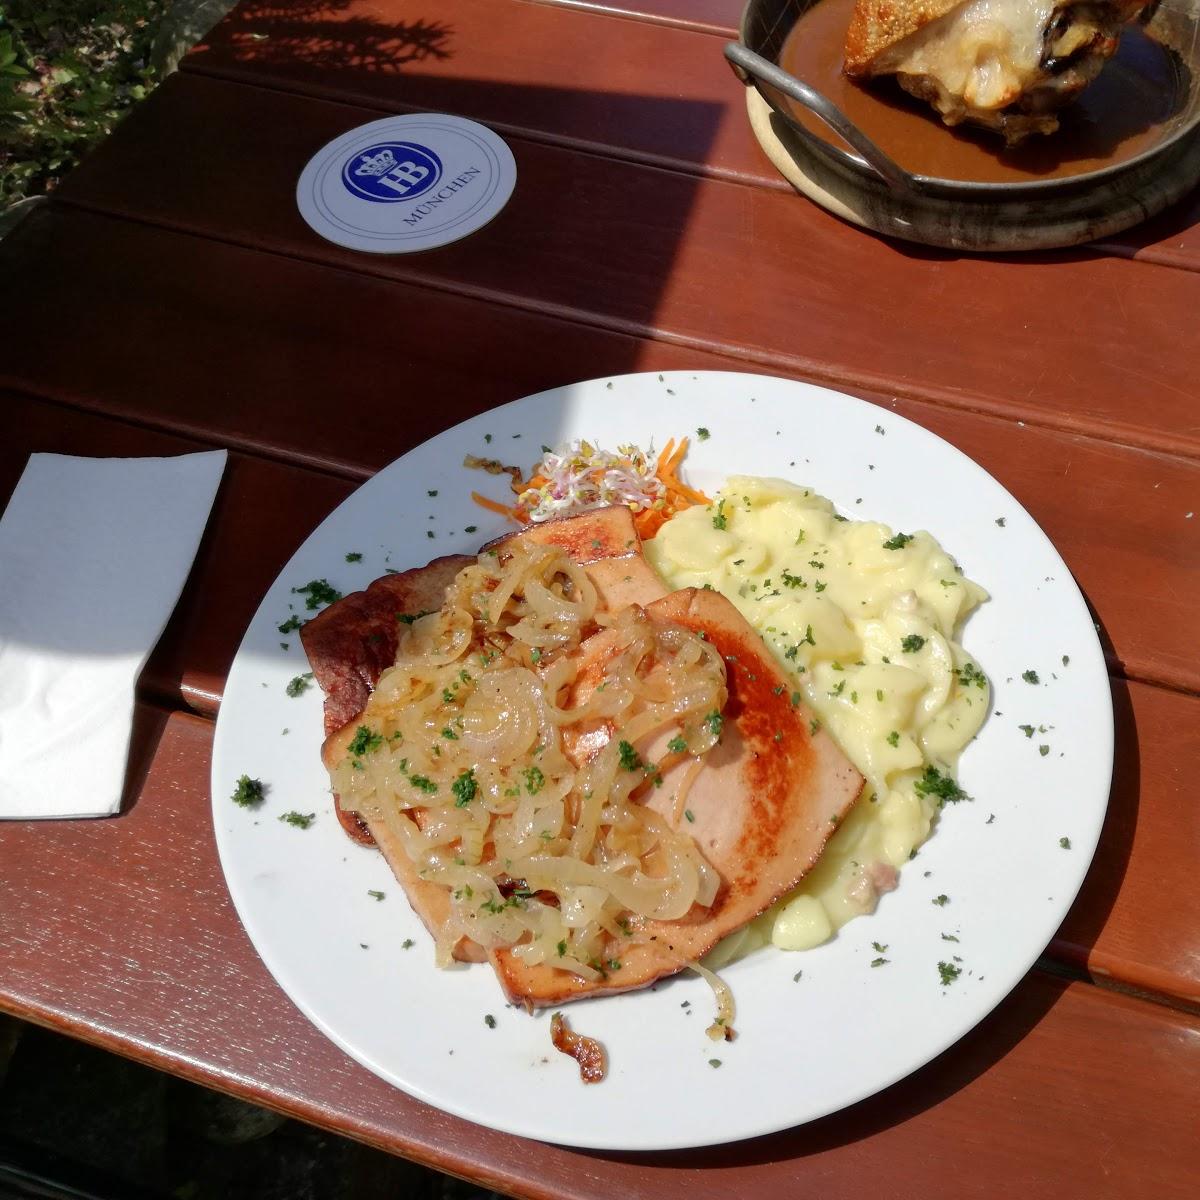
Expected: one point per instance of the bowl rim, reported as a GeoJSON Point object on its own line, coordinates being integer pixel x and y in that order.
{"type": "Point", "coordinates": [941, 184]}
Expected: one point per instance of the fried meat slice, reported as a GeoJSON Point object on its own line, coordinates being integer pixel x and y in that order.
{"type": "Point", "coordinates": [761, 809]}
{"type": "Point", "coordinates": [353, 641]}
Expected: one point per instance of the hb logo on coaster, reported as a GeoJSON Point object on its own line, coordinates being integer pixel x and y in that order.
{"type": "Point", "coordinates": [391, 171]}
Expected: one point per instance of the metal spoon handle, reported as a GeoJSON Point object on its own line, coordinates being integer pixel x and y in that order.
{"type": "Point", "coordinates": [746, 63]}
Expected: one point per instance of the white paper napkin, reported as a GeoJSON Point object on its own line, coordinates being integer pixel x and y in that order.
{"type": "Point", "coordinates": [93, 555]}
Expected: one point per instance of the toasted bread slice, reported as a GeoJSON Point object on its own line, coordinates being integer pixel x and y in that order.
{"type": "Point", "coordinates": [877, 25]}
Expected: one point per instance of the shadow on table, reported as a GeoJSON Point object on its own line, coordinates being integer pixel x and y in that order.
{"type": "Point", "coordinates": [320, 33]}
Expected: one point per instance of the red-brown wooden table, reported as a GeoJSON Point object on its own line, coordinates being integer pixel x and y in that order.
{"type": "Point", "coordinates": [170, 298]}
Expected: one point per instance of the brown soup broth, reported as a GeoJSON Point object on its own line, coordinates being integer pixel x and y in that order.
{"type": "Point", "coordinates": [1118, 117]}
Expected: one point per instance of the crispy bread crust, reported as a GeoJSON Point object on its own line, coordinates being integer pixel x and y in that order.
{"type": "Point", "coordinates": [877, 25]}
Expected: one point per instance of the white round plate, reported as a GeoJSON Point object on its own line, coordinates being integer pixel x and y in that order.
{"type": "Point", "coordinates": [817, 1030]}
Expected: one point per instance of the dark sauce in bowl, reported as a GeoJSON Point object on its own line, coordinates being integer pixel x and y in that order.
{"type": "Point", "coordinates": [1126, 111]}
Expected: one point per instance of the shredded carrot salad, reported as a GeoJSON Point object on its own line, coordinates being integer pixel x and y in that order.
{"type": "Point", "coordinates": [582, 476]}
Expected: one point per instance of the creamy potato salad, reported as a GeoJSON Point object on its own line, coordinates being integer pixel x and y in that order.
{"type": "Point", "coordinates": [866, 619]}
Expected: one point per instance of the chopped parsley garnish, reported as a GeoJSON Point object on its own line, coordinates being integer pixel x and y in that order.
{"type": "Point", "coordinates": [432, 492]}
{"type": "Point", "coordinates": [249, 792]}
{"type": "Point", "coordinates": [407, 944]}
{"type": "Point", "coordinates": [535, 655]}
{"type": "Point", "coordinates": [562, 949]}
{"type": "Point", "coordinates": [423, 784]}
{"type": "Point", "coordinates": [691, 816]}
{"type": "Point", "coordinates": [489, 1021]}
{"type": "Point", "coordinates": [714, 1062]}
{"type": "Point", "coordinates": [1043, 750]}
{"type": "Point", "coordinates": [971, 674]}
{"type": "Point", "coordinates": [409, 618]}
{"type": "Point", "coordinates": [715, 723]}
{"type": "Point", "coordinates": [795, 699]}
{"type": "Point", "coordinates": [365, 739]}
{"type": "Point", "coordinates": [703, 434]}
{"type": "Point", "coordinates": [1030, 677]}
{"type": "Point", "coordinates": [449, 734]}
{"type": "Point", "coordinates": [893, 738]}
{"type": "Point", "coordinates": [299, 820]}
{"type": "Point", "coordinates": [808, 637]}
{"type": "Point", "coordinates": [1001, 522]}
{"type": "Point", "coordinates": [317, 592]}
{"type": "Point", "coordinates": [837, 691]}
{"type": "Point", "coordinates": [534, 780]}
{"type": "Point", "coordinates": [949, 973]}
{"type": "Point", "coordinates": [354, 556]}
{"type": "Point", "coordinates": [912, 643]}
{"type": "Point", "coordinates": [464, 788]}
{"type": "Point", "coordinates": [629, 757]}
{"type": "Point", "coordinates": [1065, 843]}
{"type": "Point", "coordinates": [719, 520]}
{"type": "Point", "coordinates": [942, 900]}
{"type": "Point", "coordinates": [1066, 660]}
{"type": "Point", "coordinates": [934, 783]}
{"type": "Point", "coordinates": [790, 580]}
{"type": "Point", "coordinates": [879, 949]}
{"type": "Point", "coordinates": [299, 685]}
{"type": "Point", "coordinates": [677, 745]}
{"type": "Point", "coordinates": [291, 624]}
{"type": "Point", "coordinates": [813, 727]}
{"type": "Point", "coordinates": [949, 937]}
{"type": "Point", "coordinates": [898, 542]}
{"type": "Point", "coordinates": [879, 962]}
{"type": "Point", "coordinates": [1027, 730]}
{"type": "Point", "coordinates": [375, 895]}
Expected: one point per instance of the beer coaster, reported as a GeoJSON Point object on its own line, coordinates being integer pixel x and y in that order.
{"type": "Point", "coordinates": [406, 183]}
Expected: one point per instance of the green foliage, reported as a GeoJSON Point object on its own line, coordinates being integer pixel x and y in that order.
{"type": "Point", "coordinates": [69, 70]}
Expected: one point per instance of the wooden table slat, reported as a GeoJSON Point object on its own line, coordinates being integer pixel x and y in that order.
{"type": "Point", "coordinates": [698, 262]}
{"type": "Point", "coordinates": [663, 95]}
{"type": "Point", "coordinates": [294, 333]}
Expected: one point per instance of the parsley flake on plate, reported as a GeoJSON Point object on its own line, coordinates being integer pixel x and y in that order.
{"type": "Point", "coordinates": [317, 592]}
{"type": "Point", "coordinates": [298, 820]}
{"type": "Point", "coordinates": [299, 685]}
{"type": "Point", "coordinates": [249, 793]}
